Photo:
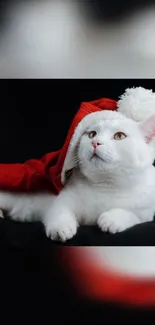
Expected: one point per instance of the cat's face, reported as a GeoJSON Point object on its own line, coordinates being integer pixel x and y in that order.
{"type": "Point", "coordinates": [111, 146]}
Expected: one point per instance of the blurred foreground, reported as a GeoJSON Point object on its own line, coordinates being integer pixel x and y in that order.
{"type": "Point", "coordinates": [77, 39]}
{"type": "Point", "coordinates": [124, 275]}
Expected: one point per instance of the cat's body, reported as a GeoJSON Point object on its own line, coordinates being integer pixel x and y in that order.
{"type": "Point", "coordinates": [112, 184]}
{"type": "Point", "coordinates": [85, 202]}
{"type": "Point", "coordinates": [92, 200]}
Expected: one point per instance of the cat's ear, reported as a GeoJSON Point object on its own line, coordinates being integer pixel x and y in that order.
{"type": "Point", "coordinates": [148, 129]}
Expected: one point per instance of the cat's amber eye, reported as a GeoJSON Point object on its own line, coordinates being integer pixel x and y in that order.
{"type": "Point", "coordinates": [92, 134]}
{"type": "Point", "coordinates": [119, 136]}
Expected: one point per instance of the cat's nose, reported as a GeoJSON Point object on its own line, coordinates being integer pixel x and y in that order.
{"type": "Point", "coordinates": [96, 144]}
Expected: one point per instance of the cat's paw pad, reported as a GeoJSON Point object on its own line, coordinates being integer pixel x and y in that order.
{"type": "Point", "coordinates": [63, 229]}
{"type": "Point", "coordinates": [116, 220]}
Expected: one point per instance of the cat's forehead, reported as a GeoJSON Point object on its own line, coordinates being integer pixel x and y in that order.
{"type": "Point", "coordinates": [113, 123]}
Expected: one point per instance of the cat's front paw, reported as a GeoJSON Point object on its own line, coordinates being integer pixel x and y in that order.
{"type": "Point", "coordinates": [117, 220]}
{"type": "Point", "coordinates": [62, 228]}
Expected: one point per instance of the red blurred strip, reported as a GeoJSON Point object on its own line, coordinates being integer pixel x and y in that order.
{"type": "Point", "coordinates": [100, 283]}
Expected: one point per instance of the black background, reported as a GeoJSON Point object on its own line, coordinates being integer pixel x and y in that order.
{"type": "Point", "coordinates": [34, 119]}
{"type": "Point", "coordinates": [36, 114]}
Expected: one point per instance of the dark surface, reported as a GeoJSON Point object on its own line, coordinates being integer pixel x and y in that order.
{"type": "Point", "coordinates": [16, 234]}
{"type": "Point", "coordinates": [35, 117]}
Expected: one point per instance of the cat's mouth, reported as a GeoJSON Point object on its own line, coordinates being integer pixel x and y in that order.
{"type": "Point", "coordinates": [96, 156]}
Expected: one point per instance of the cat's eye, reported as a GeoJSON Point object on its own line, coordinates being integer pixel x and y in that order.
{"type": "Point", "coordinates": [92, 134]}
{"type": "Point", "coordinates": [119, 136]}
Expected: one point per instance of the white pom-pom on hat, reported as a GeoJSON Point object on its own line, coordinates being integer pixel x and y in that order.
{"type": "Point", "coordinates": [137, 103]}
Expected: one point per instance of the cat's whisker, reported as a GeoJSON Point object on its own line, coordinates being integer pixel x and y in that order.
{"type": "Point", "coordinates": [76, 159]}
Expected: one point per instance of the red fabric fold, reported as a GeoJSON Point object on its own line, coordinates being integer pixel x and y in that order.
{"type": "Point", "coordinates": [45, 173]}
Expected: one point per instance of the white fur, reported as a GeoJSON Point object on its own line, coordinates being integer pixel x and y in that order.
{"type": "Point", "coordinates": [137, 103]}
{"type": "Point", "coordinates": [131, 261]}
{"type": "Point", "coordinates": [117, 220]}
{"type": "Point", "coordinates": [25, 207]}
{"type": "Point", "coordinates": [54, 39]}
{"type": "Point", "coordinates": [115, 189]}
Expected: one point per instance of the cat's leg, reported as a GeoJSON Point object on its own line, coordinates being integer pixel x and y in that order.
{"type": "Point", "coordinates": [117, 220]}
{"type": "Point", "coordinates": [1, 214]}
{"type": "Point", "coordinates": [7, 202]}
{"type": "Point", "coordinates": [60, 220]}
{"type": "Point", "coordinates": [24, 207]}
{"type": "Point", "coordinates": [60, 224]}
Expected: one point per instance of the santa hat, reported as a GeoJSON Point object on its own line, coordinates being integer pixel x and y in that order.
{"type": "Point", "coordinates": [124, 275]}
{"type": "Point", "coordinates": [50, 172]}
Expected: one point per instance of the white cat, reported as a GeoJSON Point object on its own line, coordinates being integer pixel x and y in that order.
{"type": "Point", "coordinates": [112, 183]}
